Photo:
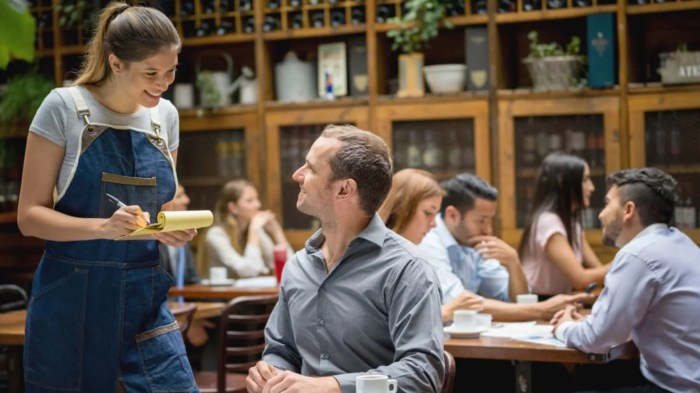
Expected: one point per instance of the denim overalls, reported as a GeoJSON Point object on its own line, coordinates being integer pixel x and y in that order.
{"type": "Point", "coordinates": [98, 312]}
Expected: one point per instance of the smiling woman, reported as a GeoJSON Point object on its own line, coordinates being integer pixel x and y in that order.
{"type": "Point", "coordinates": [109, 134]}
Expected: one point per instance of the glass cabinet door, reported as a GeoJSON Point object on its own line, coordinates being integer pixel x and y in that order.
{"type": "Point", "coordinates": [208, 158]}
{"type": "Point", "coordinates": [444, 139]}
{"type": "Point", "coordinates": [290, 134]}
{"type": "Point", "coordinates": [531, 129]}
{"type": "Point", "coordinates": [665, 133]}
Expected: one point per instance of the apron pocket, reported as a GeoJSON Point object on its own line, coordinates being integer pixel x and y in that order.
{"type": "Point", "coordinates": [164, 359]}
{"type": "Point", "coordinates": [54, 332]}
{"type": "Point", "coordinates": [130, 190]}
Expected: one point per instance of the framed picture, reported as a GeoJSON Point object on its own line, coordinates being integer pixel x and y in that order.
{"type": "Point", "coordinates": [332, 70]}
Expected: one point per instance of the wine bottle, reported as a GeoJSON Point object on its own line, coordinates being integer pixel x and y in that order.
{"type": "Point", "coordinates": [208, 7]}
{"type": "Point", "coordinates": [204, 29]}
{"type": "Point", "coordinates": [357, 15]}
{"type": "Point", "coordinates": [505, 6]}
{"type": "Point", "coordinates": [531, 5]}
{"type": "Point", "coordinates": [226, 27]}
{"type": "Point", "coordinates": [583, 3]}
{"type": "Point", "coordinates": [249, 25]}
{"type": "Point", "coordinates": [337, 17]}
{"type": "Point", "coordinates": [297, 21]}
{"type": "Point", "coordinates": [294, 3]}
{"type": "Point", "coordinates": [384, 12]}
{"type": "Point", "coordinates": [273, 4]}
{"type": "Point", "coordinates": [317, 19]}
{"type": "Point", "coordinates": [245, 5]}
{"type": "Point", "coordinates": [479, 7]}
{"type": "Point", "coordinates": [271, 23]}
{"type": "Point", "coordinates": [554, 4]}
{"type": "Point", "coordinates": [187, 8]}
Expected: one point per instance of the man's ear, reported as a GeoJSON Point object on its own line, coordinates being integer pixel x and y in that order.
{"type": "Point", "coordinates": [452, 215]}
{"type": "Point", "coordinates": [629, 211]}
{"type": "Point", "coordinates": [347, 188]}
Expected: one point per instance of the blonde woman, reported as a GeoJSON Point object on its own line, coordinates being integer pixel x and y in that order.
{"type": "Point", "coordinates": [243, 236]}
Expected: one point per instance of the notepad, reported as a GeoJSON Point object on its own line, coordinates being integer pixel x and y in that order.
{"type": "Point", "coordinates": [173, 221]}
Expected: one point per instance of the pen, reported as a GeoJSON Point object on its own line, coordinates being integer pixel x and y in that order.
{"type": "Point", "coordinates": [591, 287]}
{"type": "Point", "coordinates": [114, 200]}
{"type": "Point", "coordinates": [119, 203]}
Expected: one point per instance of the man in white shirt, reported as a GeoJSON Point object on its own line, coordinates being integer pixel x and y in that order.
{"type": "Point", "coordinates": [652, 291]}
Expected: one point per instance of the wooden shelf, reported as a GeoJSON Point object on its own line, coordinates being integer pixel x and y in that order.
{"type": "Point", "coordinates": [218, 39]}
{"type": "Point", "coordinates": [529, 93]}
{"type": "Point", "coordinates": [317, 103]}
{"type": "Point", "coordinates": [564, 13]}
{"type": "Point", "coordinates": [637, 9]}
{"type": "Point", "coordinates": [312, 33]}
{"type": "Point", "coordinates": [659, 88]}
{"type": "Point", "coordinates": [433, 98]}
{"type": "Point", "coordinates": [461, 20]}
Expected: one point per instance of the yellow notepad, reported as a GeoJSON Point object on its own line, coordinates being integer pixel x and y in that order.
{"type": "Point", "coordinates": [174, 221]}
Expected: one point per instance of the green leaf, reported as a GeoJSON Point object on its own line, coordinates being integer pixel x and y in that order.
{"type": "Point", "coordinates": [17, 33]}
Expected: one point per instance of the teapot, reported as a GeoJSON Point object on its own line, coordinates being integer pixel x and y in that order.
{"type": "Point", "coordinates": [216, 87]}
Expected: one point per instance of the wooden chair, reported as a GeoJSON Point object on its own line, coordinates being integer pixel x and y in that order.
{"type": "Point", "coordinates": [241, 343]}
{"type": "Point", "coordinates": [449, 373]}
{"type": "Point", "coordinates": [184, 315]}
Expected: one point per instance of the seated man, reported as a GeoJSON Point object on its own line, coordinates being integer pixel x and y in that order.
{"type": "Point", "coordinates": [652, 291]}
{"type": "Point", "coordinates": [469, 260]}
{"type": "Point", "coordinates": [357, 299]}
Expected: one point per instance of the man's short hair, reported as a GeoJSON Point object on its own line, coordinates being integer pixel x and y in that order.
{"type": "Point", "coordinates": [652, 191]}
{"type": "Point", "coordinates": [363, 157]}
{"type": "Point", "coordinates": [462, 191]}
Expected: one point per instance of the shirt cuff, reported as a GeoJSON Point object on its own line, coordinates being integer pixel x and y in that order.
{"type": "Point", "coordinates": [561, 331]}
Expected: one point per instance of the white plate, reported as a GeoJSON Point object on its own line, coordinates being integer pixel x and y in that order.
{"type": "Point", "coordinates": [228, 282]}
{"type": "Point", "coordinates": [469, 333]}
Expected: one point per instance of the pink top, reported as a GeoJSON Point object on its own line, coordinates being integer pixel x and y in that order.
{"type": "Point", "coordinates": [544, 277]}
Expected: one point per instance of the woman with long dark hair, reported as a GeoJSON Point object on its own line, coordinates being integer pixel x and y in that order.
{"type": "Point", "coordinates": [556, 256]}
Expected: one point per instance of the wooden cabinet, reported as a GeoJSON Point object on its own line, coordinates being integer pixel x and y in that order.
{"type": "Point", "coordinates": [529, 129]}
{"type": "Point", "coordinates": [290, 132]}
{"type": "Point", "coordinates": [447, 137]}
{"type": "Point", "coordinates": [665, 133]}
{"type": "Point", "coordinates": [216, 147]}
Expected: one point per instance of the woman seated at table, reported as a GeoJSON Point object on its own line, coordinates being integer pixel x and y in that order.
{"type": "Point", "coordinates": [555, 254]}
{"type": "Point", "coordinates": [242, 237]}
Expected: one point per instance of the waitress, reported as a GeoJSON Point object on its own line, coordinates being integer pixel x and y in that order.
{"type": "Point", "coordinates": [98, 320]}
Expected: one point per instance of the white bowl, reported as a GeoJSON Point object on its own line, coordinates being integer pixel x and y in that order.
{"type": "Point", "coordinates": [446, 78]}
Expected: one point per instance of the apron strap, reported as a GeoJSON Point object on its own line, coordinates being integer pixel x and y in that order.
{"type": "Point", "coordinates": [155, 121]}
{"type": "Point", "coordinates": [80, 105]}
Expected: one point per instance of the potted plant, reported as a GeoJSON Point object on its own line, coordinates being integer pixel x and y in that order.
{"type": "Point", "coordinates": [552, 67]}
{"type": "Point", "coordinates": [419, 23]}
{"type": "Point", "coordinates": [17, 32]}
{"type": "Point", "coordinates": [21, 98]}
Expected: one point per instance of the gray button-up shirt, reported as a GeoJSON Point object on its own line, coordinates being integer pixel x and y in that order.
{"type": "Point", "coordinates": [377, 311]}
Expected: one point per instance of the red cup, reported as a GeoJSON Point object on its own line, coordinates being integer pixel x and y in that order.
{"type": "Point", "coordinates": [280, 255]}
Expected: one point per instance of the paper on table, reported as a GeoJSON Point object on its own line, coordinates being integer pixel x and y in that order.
{"type": "Point", "coordinates": [256, 282]}
{"type": "Point", "coordinates": [525, 331]}
{"type": "Point", "coordinates": [174, 221]}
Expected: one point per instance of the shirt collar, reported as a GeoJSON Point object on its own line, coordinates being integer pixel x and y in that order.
{"type": "Point", "coordinates": [374, 232]}
{"type": "Point", "coordinates": [653, 228]}
{"type": "Point", "coordinates": [444, 234]}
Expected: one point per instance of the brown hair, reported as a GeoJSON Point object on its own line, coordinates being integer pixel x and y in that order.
{"type": "Point", "coordinates": [132, 33]}
{"type": "Point", "coordinates": [408, 188]}
{"type": "Point", "coordinates": [231, 192]}
{"type": "Point", "coordinates": [363, 157]}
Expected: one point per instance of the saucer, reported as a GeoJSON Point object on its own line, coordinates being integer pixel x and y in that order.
{"type": "Point", "coordinates": [227, 282]}
{"type": "Point", "coordinates": [468, 333]}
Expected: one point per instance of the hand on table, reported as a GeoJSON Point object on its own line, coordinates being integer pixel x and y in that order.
{"type": "Point", "coordinates": [570, 313]}
{"type": "Point", "coordinates": [556, 304]}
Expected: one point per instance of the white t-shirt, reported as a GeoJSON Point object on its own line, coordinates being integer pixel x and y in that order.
{"type": "Point", "coordinates": [57, 120]}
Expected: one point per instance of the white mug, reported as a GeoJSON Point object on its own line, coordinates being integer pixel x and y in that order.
{"type": "Point", "coordinates": [217, 275]}
{"type": "Point", "coordinates": [464, 319]}
{"type": "Point", "coordinates": [483, 321]}
{"type": "Point", "coordinates": [527, 298]}
{"type": "Point", "coordinates": [183, 95]}
{"type": "Point", "coordinates": [375, 384]}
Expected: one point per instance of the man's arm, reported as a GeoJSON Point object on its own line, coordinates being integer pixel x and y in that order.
{"type": "Point", "coordinates": [491, 247]}
{"type": "Point", "coordinates": [436, 256]}
{"type": "Point", "coordinates": [511, 312]}
{"type": "Point", "coordinates": [629, 289]}
{"type": "Point", "coordinates": [280, 348]}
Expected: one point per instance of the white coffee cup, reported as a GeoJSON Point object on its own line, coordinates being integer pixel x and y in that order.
{"type": "Point", "coordinates": [217, 275]}
{"type": "Point", "coordinates": [375, 384]}
{"type": "Point", "coordinates": [464, 319]}
{"type": "Point", "coordinates": [483, 321]}
{"type": "Point", "coordinates": [527, 298]}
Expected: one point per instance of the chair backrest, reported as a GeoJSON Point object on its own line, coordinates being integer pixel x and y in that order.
{"type": "Point", "coordinates": [184, 314]}
{"type": "Point", "coordinates": [242, 335]}
{"type": "Point", "coordinates": [449, 373]}
{"type": "Point", "coordinates": [12, 297]}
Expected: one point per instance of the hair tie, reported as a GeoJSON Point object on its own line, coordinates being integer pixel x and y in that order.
{"type": "Point", "coordinates": [120, 10]}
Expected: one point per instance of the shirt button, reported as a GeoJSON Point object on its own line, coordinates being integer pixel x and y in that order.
{"type": "Point", "coordinates": [321, 322]}
{"type": "Point", "coordinates": [325, 356]}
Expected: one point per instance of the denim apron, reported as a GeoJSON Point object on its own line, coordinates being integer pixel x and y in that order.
{"type": "Point", "coordinates": [98, 315]}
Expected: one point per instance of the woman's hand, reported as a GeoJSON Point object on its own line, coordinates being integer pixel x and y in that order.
{"type": "Point", "coordinates": [175, 238]}
{"type": "Point", "coordinates": [124, 221]}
